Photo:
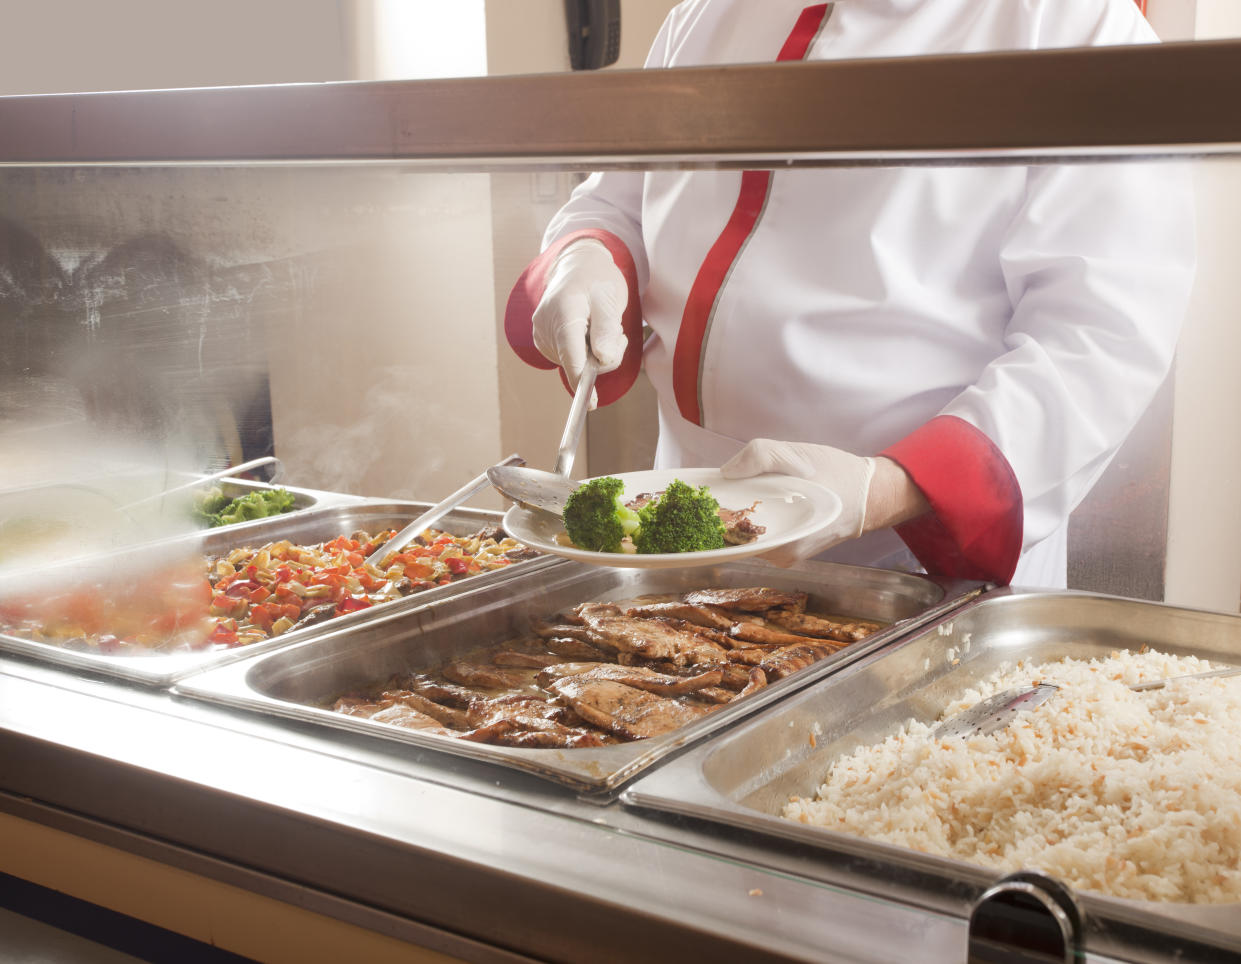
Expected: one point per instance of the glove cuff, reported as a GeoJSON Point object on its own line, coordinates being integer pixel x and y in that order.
{"type": "Point", "coordinates": [865, 474]}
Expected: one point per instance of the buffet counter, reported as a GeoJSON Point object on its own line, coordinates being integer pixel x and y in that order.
{"type": "Point", "coordinates": [398, 850]}
{"type": "Point", "coordinates": [287, 836]}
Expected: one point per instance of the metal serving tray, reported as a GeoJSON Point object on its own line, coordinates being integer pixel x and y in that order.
{"type": "Point", "coordinates": [312, 526]}
{"type": "Point", "coordinates": [303, 499]}
{"type": "Point", "coordinates": [298, 681]}
{"type": "Point", "coordinates": [744, 778]}
{"type": "Point", "coordinates": [81, 502]}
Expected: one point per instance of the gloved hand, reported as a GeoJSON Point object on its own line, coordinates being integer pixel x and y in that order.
{"type": "Point", "coordinates": [847, 475]}
{"type": "Point", "coordinates": [586, 294]}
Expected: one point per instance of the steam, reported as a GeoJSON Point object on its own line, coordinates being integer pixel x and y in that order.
{"type": "Point", "coordinates": [69, 492]}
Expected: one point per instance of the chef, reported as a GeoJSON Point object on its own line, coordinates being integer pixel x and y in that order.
{"type": "Point", "coordinates": [956, 351]}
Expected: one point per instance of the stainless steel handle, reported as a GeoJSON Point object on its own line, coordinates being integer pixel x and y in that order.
{"type": "Point", "coordinates": [577, 417]}
{"type": "Point", "coordinates": [214, 476]}
{"type": "Point", "coordinates": [1209, 674]}
{"type": "Point", "coordinates": [411, 532]}
{"type": "Point", "coordinates": [1026, 918]}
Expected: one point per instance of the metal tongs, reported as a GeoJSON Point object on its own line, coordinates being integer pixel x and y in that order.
{"type": "Point", "coordinates": [548, 491]}
{"type": "Point", "coordinates": [213, 477]}
{"type": "Point", "coordinates": [997, 711]}
{"type": "Point", "coordinates": [412, 531]}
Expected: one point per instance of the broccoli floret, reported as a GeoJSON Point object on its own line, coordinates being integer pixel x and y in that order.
{"type": "Point", "coordinates": [217, 509]}
{"type": "Point", "coordinates": [209, 503]}
{"type": "Point", "coordinates": [682, 519]}
{"type": "Point", "coordinates": [258, 504]}
{"type": "Point", "coordinates": [596, 518]}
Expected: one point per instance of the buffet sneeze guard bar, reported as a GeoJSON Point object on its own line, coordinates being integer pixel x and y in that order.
{"type": "Point", "coordinates": [1102, 102]}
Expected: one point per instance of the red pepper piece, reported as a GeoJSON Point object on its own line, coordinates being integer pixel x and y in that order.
{"type": "Point", "coordinates": [223, 634]}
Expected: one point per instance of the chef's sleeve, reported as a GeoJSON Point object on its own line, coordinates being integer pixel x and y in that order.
{"type": "Point", "coordinates": [606, 207]}
{"type": "Point", "coordinates": [1099, 265]}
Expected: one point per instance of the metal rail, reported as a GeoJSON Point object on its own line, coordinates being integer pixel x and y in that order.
{"type": "Point", "coordinates": [1099, 102]}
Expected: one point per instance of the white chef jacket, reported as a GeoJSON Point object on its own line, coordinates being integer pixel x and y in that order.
{"type": "Point", "coordinates": [996, 330]}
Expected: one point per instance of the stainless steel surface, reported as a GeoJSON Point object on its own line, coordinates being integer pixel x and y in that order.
{"type": "Point", "coordinates": [533, 488]}
{"type": "Point", "coordinates": [402, 833]}
{"type": "Point", "coordinates": [743, 778]}
{"type": "Point", "coordinates": [300, 681]}
{"type": "Point", "coordinates": [1026, 915]}
{"type": "Point", "coordinates": [995, 712]}
{"type": "Point", "coordinates": [577, 417]}
{"type": "Point", "coordinates": [310, 527]}
{"type": "Point", "coordinates": [549, 490]}
{"type": "Point", "coordinates": [917, 109]}
{"type": "Point", "coordinates": [433, 515]}
{"type": "Point", "coordinates": [439, 851]}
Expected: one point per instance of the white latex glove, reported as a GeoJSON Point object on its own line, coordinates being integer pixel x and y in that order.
{"type": "Point", "coordinates": [845, 474]}
{"type": "Point", "coordinates": [586, 294]}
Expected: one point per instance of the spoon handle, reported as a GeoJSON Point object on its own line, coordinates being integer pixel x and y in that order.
{"type": "Point", "coordinates": [203, 480]}
{"type": "Point", "coordinates": [577, 417]}
{"type": "Point", "coordinates": [1160, 683]}
{"type": "Point", "coordinates": [415, 528]}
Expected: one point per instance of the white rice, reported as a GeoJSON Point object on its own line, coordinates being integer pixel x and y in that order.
{"type": "Point", "coordinates": [1136, 795]}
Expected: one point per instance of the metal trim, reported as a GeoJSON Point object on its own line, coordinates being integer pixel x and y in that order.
{"type": "Point", "coordinates": [1101, 101]}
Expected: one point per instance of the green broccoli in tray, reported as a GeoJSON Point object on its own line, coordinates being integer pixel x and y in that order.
{"type": "Point", "coordinates": [215, 508]}
{"type": "Point", "coordinates": [679, 519]}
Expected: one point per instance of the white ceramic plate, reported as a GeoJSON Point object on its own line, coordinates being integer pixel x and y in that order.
{"type": "Point", "coordinates": [789, 508]}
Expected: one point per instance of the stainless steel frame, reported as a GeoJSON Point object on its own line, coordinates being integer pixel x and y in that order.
{"type": "Point", "coordinates": [1105, 102]}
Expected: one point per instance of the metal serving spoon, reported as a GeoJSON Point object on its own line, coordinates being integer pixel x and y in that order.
{"type": "Point", "coordinates": [548, 491]}
{"type": "Point", "coordinates": [419, 525]}
{"type": "Point", "coordinates": [213, 477]}
{"type": "Point", "coordinates": [996, 712]}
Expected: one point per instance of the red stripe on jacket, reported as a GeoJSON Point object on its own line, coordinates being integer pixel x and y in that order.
{"type": "Point", "coordinates": [705, 291]}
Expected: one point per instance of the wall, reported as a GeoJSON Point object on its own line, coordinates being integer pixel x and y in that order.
{"type": "Point", "coordinates": [1204, 523]}
{"type": "Point", "coordinates": [57, 46]}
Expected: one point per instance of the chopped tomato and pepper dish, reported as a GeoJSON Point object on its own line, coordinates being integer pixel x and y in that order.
{"type": "Point", "coordinates": [250, 594]}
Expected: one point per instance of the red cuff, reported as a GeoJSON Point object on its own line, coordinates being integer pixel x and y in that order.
{"type": "Point", "coordinates": [974, 529]}
{"type": "Point", "coordinates": [525, 296]}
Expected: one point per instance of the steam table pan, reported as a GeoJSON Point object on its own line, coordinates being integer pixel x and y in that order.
{"type": "Point", "coordinates": [300, 682]}
{"type": "Point", "coordinates": [304, 528]}
{"type": "Point", "coordinates": [744, 778]}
